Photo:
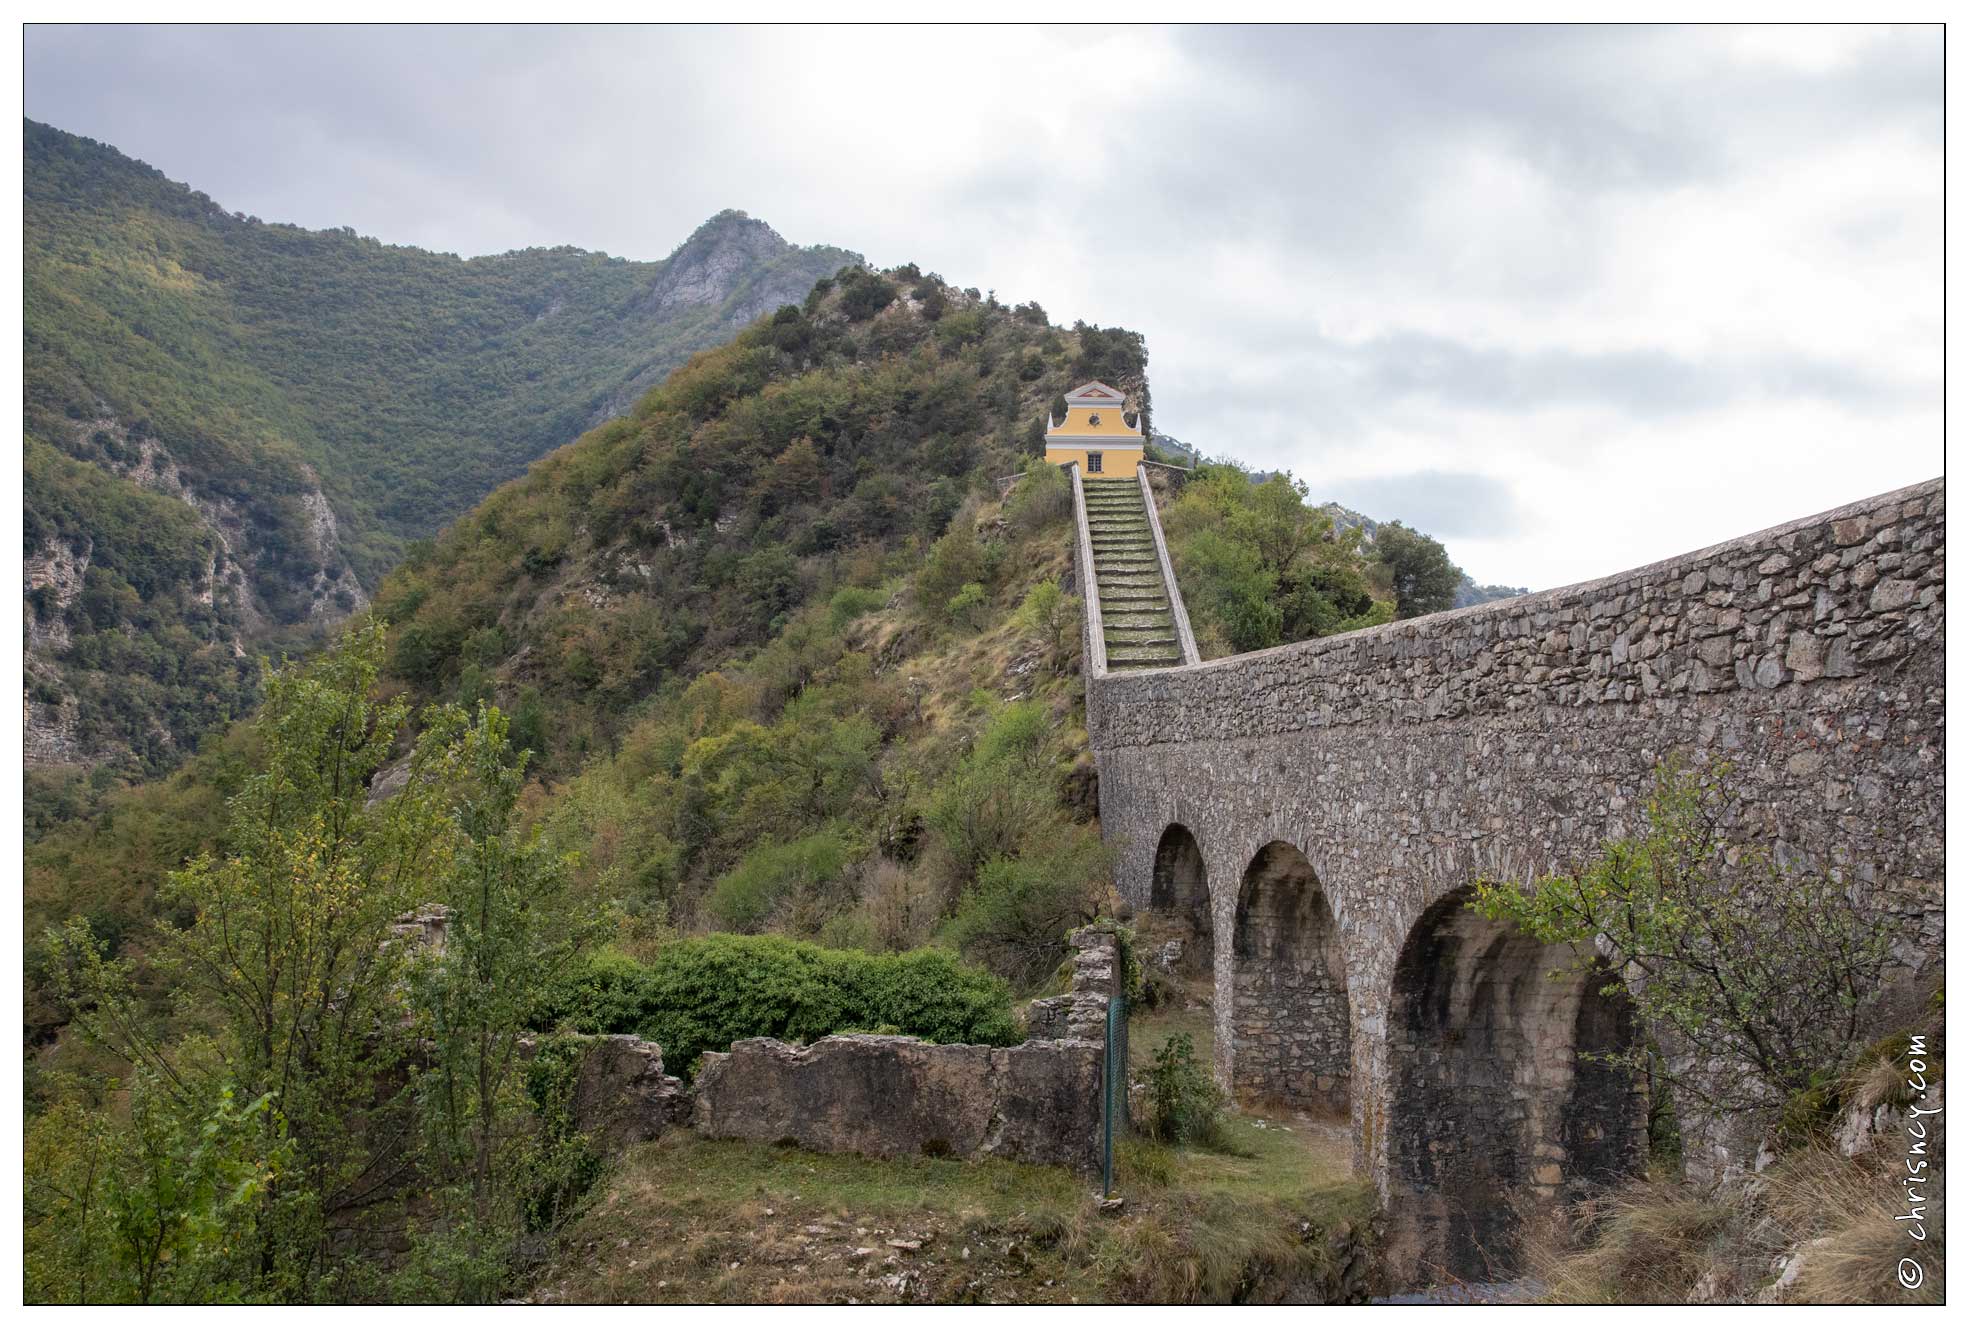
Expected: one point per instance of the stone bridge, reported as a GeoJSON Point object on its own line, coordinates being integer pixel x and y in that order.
{"type": "Point", "coordinates": [1319, 812]}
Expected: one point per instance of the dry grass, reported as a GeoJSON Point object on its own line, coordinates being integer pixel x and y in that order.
{"type": "Point", "coordinates": [1659, 1241]}
{"type": "Point", "coordinates": [1646, 1243]}
{"type": "Point", "coordinates": [1845, 1208]}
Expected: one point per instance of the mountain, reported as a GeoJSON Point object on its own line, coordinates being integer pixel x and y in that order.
{"type": "Point", "coordinates": [233, 428]}
{"type": "Point", "coordinates": [1468, 592]}
{"type": "Point", "coordinates": [760, 619]}
{"type": "Point", "coordinates": [825, 447]}
{"type": "Point", "coordinates": [1174, 451]}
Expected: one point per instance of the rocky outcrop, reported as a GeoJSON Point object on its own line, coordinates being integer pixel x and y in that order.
{"type": "Point", "coordinates": [333, 593]}
{"type": "Point", "coordinates": [51, 578]}
{"type": "Point", "coordinates": [732, 255]}
{"type": "Point", "coordinates": [707, 267]}
{"type": "Point", "coordinates": [54, 577]}
{"type": "Point", "coordinates": [732, 269]}
{"type": "Point", "coordinates": [890, 1096]}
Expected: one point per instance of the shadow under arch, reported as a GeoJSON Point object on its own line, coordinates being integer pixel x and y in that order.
{"type": "Point", "coordinates": [1490, 1105]}
{"type": "Point", "coordinates": [1179, 890]}
{"type": "Point", "coordinates": [1290, 1019]}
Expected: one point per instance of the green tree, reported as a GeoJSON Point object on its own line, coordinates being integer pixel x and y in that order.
{"type": "Point", "coordinates": [1425, 579]}
{"type": "Point", "coordinates": [1233, 589]}
{"type": "Point", "coordinates": [509, 929]}
{"type": "Point", "coordinates": [288, 949]}
{"type": "Point", "coordinates": [1273, 518]}
{"type": "Point", "coordinates": [161, 1206]}
{"type": "Point", "coordinates": [1768, 972]}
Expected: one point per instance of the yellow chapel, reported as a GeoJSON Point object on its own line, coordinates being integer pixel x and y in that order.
{"type": "Point", "coordinates": [1096, 433]}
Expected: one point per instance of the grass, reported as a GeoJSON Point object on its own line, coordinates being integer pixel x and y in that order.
{"type": "Point", "coordinates": [687, 1220]}
{"type": "Point", "coordinates": [1659, 1241]}
{"type": "Point", "coordinates": [1272, 1215]}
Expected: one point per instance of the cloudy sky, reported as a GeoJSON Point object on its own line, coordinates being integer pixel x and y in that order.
{"type": "Point", "coordinates": [1570, 299]}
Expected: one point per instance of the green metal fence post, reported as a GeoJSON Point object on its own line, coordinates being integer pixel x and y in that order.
{"type": "Point", "coordinates": [1110, 1078]}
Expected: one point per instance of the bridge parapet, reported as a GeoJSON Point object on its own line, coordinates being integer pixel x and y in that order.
{"type": "Point", "coordinates": [1828, 597]}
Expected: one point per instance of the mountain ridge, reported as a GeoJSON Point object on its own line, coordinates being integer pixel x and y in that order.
{"type": "Point", "coordinates": [313, 400]}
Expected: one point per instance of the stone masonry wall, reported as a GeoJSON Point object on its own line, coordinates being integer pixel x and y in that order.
{"type": "Point", "coordinates": [1510, 739]}
{"type": "Point", "coordinates": [890, 1096]}
{"type": "Point", "coordinates": [1289, 1015]}
{"type": "Point", "coordinates": [887, 1095]}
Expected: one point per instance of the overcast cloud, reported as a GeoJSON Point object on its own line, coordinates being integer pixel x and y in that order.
{"type": "Point", "coordinates": [1571, 299]}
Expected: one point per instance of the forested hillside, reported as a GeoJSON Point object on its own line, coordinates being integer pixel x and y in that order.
{"type": "Point", "coordinates": [789, 518]}
{"type": "Point", "coordinates": [233, 427]}
{"type": "Point", "coordinates": [785, 650]}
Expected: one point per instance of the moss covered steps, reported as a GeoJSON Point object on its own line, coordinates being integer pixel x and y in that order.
{"type": "Point", "coordinates": [1139, 630]}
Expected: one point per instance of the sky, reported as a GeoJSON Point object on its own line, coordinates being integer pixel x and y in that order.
{"type": "Point", "coordinates": [1569, 299]}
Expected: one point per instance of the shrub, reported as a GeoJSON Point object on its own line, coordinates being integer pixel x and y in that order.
{"type": "Point", "coordinates": [1184, 1102]}
{"type": "Point", "coordinates": [1042, 497]}
{"type": "Point", "coordinates": [748, 894]}
{"type": "Point", "coordinates": [702, 994]}
{"type": "Point", "coordinates": [603, 993]}
{"type": "Point", "coordinates": [967, 607]}
{"type": "Point", "coordinates": [956, 558]}
{"type": "Point", "coordinates": [1053, 616]}
{"type": "Point", "coordinates": [864, 295]}
{"type": "Point", "coordinates": [1001, 792]}
{"type": "Point", "coordinates": [1018, 915]}
{"type": "Point", "coordinates": [1770, 971]}
{"type": "Point", "coordinates": [851, 602]}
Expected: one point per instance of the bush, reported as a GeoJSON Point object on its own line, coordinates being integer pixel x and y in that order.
{"type": "Point", "coordinates": [1054, 617]}
{"type": "Point", "coordinates": [1018, 915]}
{"type": "Point", "coordinates": [851, 602]}
{"type": "Point", "coordinates": [748, 894]}
{"type": "Point", "coordinates": [1184, 1102]}
{"type": "Point", "coordinates": [956, 558]}
{"type": "Point", "coordinates": [1042, 497]}
{"type": "Point", "coordinates": [967, 607]}
{"type": "Point", "coordinates": [864, 295]}
{"type": "Point", "coordinates": [1771, 971]}
{"type": "Point", "coordinates": [700, 995]}
{"type": "Point", "coordinates": [1000, 794]}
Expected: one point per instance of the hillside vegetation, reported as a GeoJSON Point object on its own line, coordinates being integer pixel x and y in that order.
{"type": "Point", "coordinates": [784, 658]}
{"type": "Point", "coordinates": [233, 427]}
{"type": "Point", "coordinates": [768, 684]}
{"type": "Point", "coordinates": [844, 689]}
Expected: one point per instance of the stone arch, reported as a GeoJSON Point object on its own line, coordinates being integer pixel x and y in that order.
{"type": "Point", "coordinates": [1490, 1105]}
{"type": "Point", "coordinates": [1290, 1019]}
{"type": "Point", "coordinates": [1179, 890]}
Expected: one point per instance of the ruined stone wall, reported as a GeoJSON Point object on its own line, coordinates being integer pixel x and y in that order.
{"type": "Point", "coordinates": [1510, 739]}
{"type": "Point", "coordinates": [889, 1096]}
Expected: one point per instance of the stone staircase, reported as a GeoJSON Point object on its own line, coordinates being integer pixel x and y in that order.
{"type": "Point", "coordinates": [1140, 629]}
